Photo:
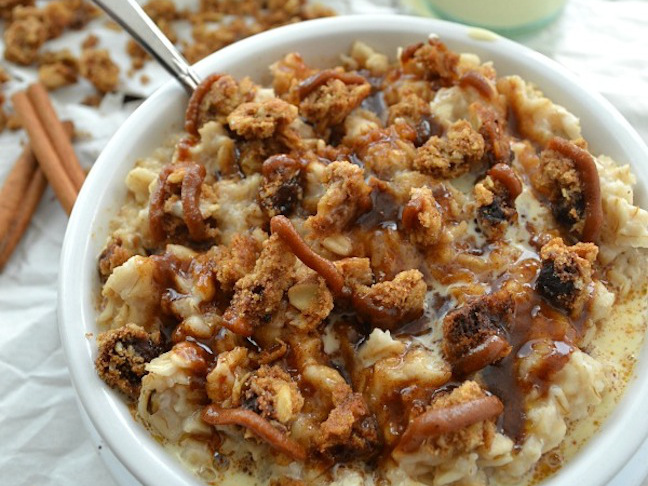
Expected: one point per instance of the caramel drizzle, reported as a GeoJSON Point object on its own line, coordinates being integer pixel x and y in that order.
{"type": "Point", "coordinates": [237, 324]}
{"type": "Point", "coordinates": [276, 163]}
{"type": "Point", "coordinates": [310, 84]}
{"type": "Point", "coordinates": [261, 427]}
{"type": "Point", "coordinates": [437, 422]}
{"type": "Point", "coordinates": [410, 215]}
{"type": "Point", "coordinates": [190, 193]}
{"type": "Point", "coordinates": [364, 306]}
{"type": "Point", "coordinates": [194, 175]}
{"type": "Point", "coordinates": [193, 107]}
{"type": "Point", "coordinates": [282, 227]}
{"type": "Point", "coordinates": [504, 174]}
{"type": "Point", "coordinates": [584, 164]}
{"type": "Point", "coordinates": [494, 348]}
{"type": "Point", "coordinates": [409, 51]}
{"type": "Point", "coordinates": [477, 80]}
{"type": "Point", "coordinates": [156, 207]}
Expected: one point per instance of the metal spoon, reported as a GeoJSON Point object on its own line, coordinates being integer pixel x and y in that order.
{"type": "Point", "coordinates": [134, 20]}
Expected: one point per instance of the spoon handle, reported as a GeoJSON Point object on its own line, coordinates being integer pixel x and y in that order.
{"type": "Point", "coordinates": [129, 15]}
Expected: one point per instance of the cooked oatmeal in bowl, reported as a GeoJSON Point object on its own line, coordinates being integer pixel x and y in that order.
{"type": "Point", "coordinates": [402, 268]}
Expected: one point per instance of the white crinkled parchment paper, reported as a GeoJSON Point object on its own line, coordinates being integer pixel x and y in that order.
{"type": "Point", "coordinates": [42, 438]}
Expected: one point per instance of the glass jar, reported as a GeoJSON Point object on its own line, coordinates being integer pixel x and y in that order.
{"type": "Point", "coordinates": [507, 17]}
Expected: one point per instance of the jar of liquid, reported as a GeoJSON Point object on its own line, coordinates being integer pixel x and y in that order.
{"type": "Point", "coordinates": [507, 17]}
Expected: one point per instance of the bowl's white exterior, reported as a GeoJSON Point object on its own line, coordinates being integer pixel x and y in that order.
{"type": "Point", "coordinates": [320, 42]}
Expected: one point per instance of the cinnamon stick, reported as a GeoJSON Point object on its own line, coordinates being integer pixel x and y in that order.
{"type": "Point", "coordinates": [28, 206]}
{"type": "Point", "coordinates": [50, 162]}
{"type": "Point", "coordinates": [19, 198]}
{"type": "Point", "coordinates": [45, 110]}
{"type": "Point", "coordinates": [13, 189]}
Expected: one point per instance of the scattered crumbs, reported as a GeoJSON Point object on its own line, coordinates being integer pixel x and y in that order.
{"type": "Point", "coordinates": [90, 42]}
{"type": "Point", "coordinates": [89, 335]}
{"type": "Point", "coordinates": [4, 75]}
{"type": "Point", "coordinates": [112, 25]}
{"type": "Point", "coordinates": [92, 100]}
{"type": "Point", "coordinates": [145, 79]}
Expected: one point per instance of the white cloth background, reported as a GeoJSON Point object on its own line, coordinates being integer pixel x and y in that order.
{"type": "Point", "coordinates": [42, 439]}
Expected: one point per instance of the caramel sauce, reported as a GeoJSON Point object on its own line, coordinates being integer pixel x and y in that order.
{"type": "Point", "coordinates": [477, 81]}
{"type": "Point", "coordinates": [184, 146]}
{"type": "Point", "coordinates": [533, 320]}
{"type": "Point", "coordinates": [310, 84]}
{"type": "Point", "coordinates": [588, 173]}
{"type": "Point", "coordinates": [193, 107]}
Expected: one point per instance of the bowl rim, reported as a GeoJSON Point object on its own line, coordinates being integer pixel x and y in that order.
{"type": "Point", "coordinates": [622, 431]}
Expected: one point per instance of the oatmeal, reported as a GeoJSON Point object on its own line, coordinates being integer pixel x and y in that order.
{"type": "Point", "coordinates": [408, 272]}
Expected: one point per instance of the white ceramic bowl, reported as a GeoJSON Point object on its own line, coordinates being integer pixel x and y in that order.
{"type": "Point", "coordinates": [320, 42]}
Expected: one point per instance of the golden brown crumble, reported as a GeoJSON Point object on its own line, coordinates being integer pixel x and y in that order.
{"type": "Point", "coordinates": [566, 274]}
{"type": "Point", "coordinates": [90, 42]}
{"type": "Point", "coordinates": [274, 394]}
{"type": "Point", "coordinates": [330, 104]}
{"type": "Point", "coordinates": [23, 38]}
{"type": "Point", "coordinates": [122, 356]}
{"type": "Point", "coordinates": [495, 209]}
{"type": "Point", "coordinates": [422, 218]}
{"type": "Point", "coordinates": [346, 198]}
{"type": "Point", "coordinates": [224, 95]}
{"type": "Point", "coordinates": [7, 7]}
{"type": "Point", "coordinates": [258, 294]}
{"type": "Point", "coordinates": [259, 120]}
{"type": "Point", "coordinates": [558, 180]}
{"type": "Point", "coordinates": [113, 256]}
{"type": "Point", "coordinates": [401, 299]}
{"type": "Point", "coordinates": [58, 69]}
{"type": "Point", "coordinates": [479, 324]}
{"type": "Point", "coordinates": [237, 260]}
{"type": "Point", "coordinates": [452, 155]}
{"type": "Point", "coordinates": [97, 66]}
{"type": "Point", "coordinates": [432, 61]}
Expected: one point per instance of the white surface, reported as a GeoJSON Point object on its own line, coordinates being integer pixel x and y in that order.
{"type": "Point", "coordinates": [42, 439]}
